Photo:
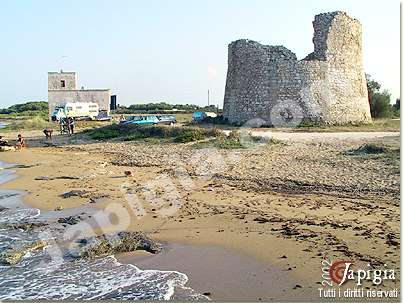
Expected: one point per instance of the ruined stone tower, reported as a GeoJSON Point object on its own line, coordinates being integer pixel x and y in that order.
{"type": "Point", "coordinates": [329, 85]}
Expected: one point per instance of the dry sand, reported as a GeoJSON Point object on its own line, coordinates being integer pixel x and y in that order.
{"type": "Point", "coordinates": [286, 206]}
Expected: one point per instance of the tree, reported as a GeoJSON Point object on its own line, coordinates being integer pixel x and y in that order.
{"type": "Point", "coordinates": [379, 101]}
{"type": "Point", "coordinates": [396, 106]}
{"type": "Point", "coordinates": [32, 106]}
{"type": "Point", "coordinates": [380, 105]}
{"type": "Point", "coordinates": [372, 85]}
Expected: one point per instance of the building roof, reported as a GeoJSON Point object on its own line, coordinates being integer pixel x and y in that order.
{"type": "Point", "coordinates": [61, 72]}
{"type": "Point", "coordinates": [78, 90]}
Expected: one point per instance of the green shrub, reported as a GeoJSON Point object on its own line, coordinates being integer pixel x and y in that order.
{"type": "Point", "coordinates": [33, 123]}
{"type": "Point", "coordinates": [190, 135]}
{"type": "Point", "coordinates": [228, 143]}
{"type": "Point", "coordinates": [104, 134]}
{"type": "Point", "coordinates": [379, 101]}
{"type": "Point", "coordinates": [380, 105]}
{"type": "Point", "coordinates": [27, 114]}
{"type": "Point", "coordinates": [133, 138]}
{"type": "Point", "coordinates": [33, 106]}
{"type": "Point", "coordinates": [135, 132]}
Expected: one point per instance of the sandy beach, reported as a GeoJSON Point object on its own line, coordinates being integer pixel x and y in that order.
{"type": "Point", "coordinates": [259, 221]}
{"type": "Point", "coordinates": [224, 151]}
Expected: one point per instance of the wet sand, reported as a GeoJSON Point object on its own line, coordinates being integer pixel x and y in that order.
{"type": "Point", "coordinates": [222, 274]}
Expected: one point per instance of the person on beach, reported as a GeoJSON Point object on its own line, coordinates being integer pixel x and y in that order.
{"type": "Point", "coordinates": [70, 123]}
{"type": "Point", "coordinates": [20, 142]}
{"type": "Point", "coordinates": [48, 133]}
{"type": "Point", "coordinates": [62, 125]}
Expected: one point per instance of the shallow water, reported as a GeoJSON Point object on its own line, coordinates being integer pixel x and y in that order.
{"type": "Point", "coordinates": [49, 274]}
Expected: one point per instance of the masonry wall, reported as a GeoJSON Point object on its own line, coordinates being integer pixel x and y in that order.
{"type": "Point", "coordinates": [328, 85]}
{"type": "Point", "coordinates": [259, 77]}
{"type": "Point", "coordinates": [61, 97]}
{"type": "Point", "coordinates": [55, 79]}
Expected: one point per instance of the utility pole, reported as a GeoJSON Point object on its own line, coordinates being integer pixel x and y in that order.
{"type": "Point", "coordinates": [208, 97]}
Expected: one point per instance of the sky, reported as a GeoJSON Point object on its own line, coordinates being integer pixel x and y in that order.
{"type": "Point", "coordinates": [172, 51]}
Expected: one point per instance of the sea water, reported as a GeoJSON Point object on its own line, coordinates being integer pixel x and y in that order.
{"type": "Point", "coordinates": [44, 274]}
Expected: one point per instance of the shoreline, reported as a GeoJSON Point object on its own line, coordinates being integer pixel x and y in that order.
{"type": "Point", "coordinates": [14, 197]}
{"type": "Point", "coordinates": [16, 201]}
{"type": "Point", "coordinates": [211, 277]}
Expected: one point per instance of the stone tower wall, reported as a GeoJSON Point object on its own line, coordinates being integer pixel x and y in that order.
{"type": "Point", "coordinates": [328, 85]}
{"type": "Point", "coordinates": [258, 77]}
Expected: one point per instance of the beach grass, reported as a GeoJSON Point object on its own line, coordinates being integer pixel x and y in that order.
{"type": "Point", "coordinates": [26, 114]}
{"type": "Point", "coordinates": [34, 123]}
{"type": "Point", "coordinates": [154, 132]}
{"type": "Point", "coordinates": [388, 154]}
{"type": "Point", "coordinates": [234, 140]}
{"type": "Point", "coordinates": [378, 125]}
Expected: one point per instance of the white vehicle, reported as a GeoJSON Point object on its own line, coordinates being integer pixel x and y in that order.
{"type": "Point", "coordinates": [76, 110]}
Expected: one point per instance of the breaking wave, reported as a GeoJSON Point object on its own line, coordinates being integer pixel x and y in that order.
{"type": "Point", "coordinates": [38, 276]}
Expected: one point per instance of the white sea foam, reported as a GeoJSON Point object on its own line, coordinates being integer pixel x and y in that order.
{"type": "Point", "coordinates": [37, 277]}
{"type": "Point", "coordinates": [103, 278]}
{"type": "Point", "coordinates": [18, 215]}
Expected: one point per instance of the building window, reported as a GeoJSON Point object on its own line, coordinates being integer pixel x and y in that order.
{"type": "Point", "coordinates": [63, 82]}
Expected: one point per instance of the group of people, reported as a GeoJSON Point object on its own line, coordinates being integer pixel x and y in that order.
{"type": "Point", "coordinates": [20, 142]}
{"type": "Point", "coordinates": [67, 125]}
